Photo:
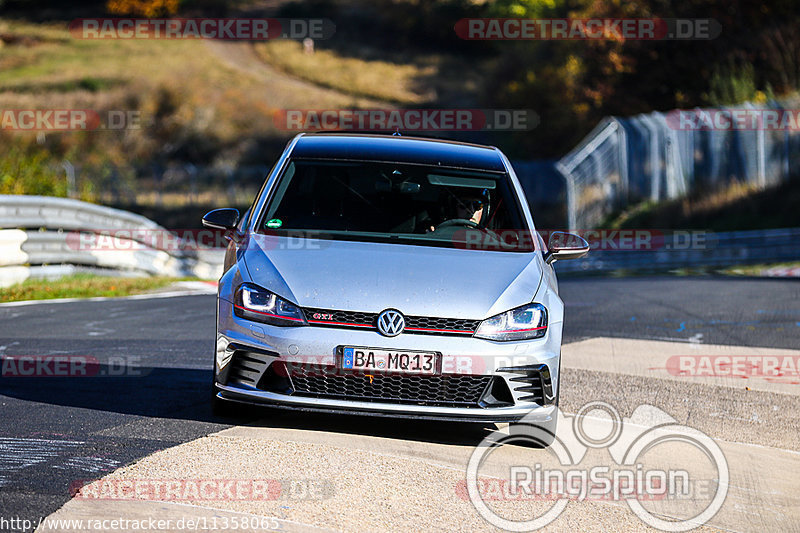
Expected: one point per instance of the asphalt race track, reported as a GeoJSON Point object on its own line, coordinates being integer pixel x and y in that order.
{"type": "Point", "coordinates": [744, 312]}
{"type": "Point", "coordinates": [55, 432]}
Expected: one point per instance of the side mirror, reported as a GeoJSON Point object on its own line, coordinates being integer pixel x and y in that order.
{"type": "Point", "coordinates": [565, 246]}
{"type": "Point", "coordinates": [224, 219]}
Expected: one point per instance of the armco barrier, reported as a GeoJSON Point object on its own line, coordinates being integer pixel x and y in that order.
{"type": "Point", "coordinates": [34, 242]}
{"type": "Point", "coordinates": [34, 212]}
{"type": "Point", "coordinates": [710, 250]}
{"type": "Point", "coordinates": [36, 245]}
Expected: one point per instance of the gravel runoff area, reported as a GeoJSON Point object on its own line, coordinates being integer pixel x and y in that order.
{"type": "Point", "coordinates": [365, 475]}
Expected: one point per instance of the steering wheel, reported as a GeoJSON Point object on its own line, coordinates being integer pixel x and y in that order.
{"type": "Point", "coordinates": [458, 222]}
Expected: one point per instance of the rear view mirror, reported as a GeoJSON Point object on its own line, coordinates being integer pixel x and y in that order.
{"type": "Point", "coordinates": [563, 245]}
{"type": "Point", "coordinates": [224, 219]}
{"type": "Point", "coordinates": [408, 187]}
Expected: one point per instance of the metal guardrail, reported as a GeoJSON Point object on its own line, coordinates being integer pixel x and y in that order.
{"type": "Point", "coordinates": [34, 212]}
{"type": "Point", "coordinates": [29, 251]}
{"type": "Point", "coordinates": [695, 249]}
{"type": "Point", "coordinates": [39, 239]}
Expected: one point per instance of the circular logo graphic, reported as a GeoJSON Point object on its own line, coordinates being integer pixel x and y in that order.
{"type": "Point", "coordinates": [597, 425]}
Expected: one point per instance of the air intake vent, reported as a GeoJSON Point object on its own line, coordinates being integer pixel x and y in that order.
{"type": "Point", "coordinates": [533, 381]}
{"type": "Point", "coordinates": [247, 367]}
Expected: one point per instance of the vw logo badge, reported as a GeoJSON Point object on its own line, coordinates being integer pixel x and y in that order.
{"type": "Point", "coordinates": [391, 323]}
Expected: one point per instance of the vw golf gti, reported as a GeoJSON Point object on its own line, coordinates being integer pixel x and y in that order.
{"type": "Point", "coordinates": [392, 276]}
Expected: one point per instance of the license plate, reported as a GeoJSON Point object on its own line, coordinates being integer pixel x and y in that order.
{"type": "Point", "coordinates": [379, 360]}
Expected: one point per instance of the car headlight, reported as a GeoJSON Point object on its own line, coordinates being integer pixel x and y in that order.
{"type": "Point", "coordinates": [254, 303]}
{"type": "Point", "coordinates": [526, 322]}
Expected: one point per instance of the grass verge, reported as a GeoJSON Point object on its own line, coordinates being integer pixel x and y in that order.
{"type": "Point", "coordinates": [374, 78]}
{"type": "Point", "coordinates": [736, 207]}
{"type": "Point", "coordinates": [82, 286]}
{"type": "Point", "coordinates": [183, 101]}
{"type": "Point", "coordinates": [756, 270]}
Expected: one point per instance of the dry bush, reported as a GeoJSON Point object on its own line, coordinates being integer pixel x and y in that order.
{"type": "Point", "coordinates": [143, 8]}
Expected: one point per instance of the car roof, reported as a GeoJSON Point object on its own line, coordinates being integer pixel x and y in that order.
{"type": "Point", "coordinates": [398, 149]}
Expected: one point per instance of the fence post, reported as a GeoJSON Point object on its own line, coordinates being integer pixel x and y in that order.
{"type": "Point", "coordinates": [569, 180]}
{"type": "Point", "coordinates": [69, 169]}
{"type": "Point", "coordinates": [762, 158]}
{"type": "Point", "coordinates": [622, 154]}
{"type": "Point", "coordinates": [653, 156]}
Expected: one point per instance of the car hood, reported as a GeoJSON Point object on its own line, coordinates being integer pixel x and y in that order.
{"type": "Point", "coordinates": [371, 277]}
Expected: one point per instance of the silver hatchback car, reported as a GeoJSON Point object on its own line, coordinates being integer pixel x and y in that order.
{"type": "Point", "coordinates": [392, 276]}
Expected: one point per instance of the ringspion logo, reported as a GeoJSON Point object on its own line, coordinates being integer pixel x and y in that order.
{"type": "Point", "coordinates": [659, 468]}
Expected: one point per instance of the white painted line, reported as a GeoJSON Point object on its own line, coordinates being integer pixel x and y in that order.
{"type": "Point", "coordinates": [19, 453]}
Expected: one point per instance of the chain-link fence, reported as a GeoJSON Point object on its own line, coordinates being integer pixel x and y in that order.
{"type": "Point", "coordinates": [662, 156]}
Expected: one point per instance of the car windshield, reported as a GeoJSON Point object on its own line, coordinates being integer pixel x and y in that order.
{"type": "Point", "coordinates": [393, 202]}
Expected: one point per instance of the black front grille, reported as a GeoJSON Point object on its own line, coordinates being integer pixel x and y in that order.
{"type": "Point", "coordinates": [446, 390]}
{"type": "Point", "coordinates": [456, 324]}
{"type": "Point", "coordinates": [414, 324]}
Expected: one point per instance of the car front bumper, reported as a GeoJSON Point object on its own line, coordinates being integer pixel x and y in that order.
{"type": "Point", "coordinates": [320, 345]}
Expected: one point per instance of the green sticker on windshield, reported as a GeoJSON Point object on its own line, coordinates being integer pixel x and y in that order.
{"type": "Point", "coordinates": [274, 223]}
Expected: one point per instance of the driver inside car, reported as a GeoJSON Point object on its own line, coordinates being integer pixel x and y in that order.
{"type": "Point", "coordinates": [468, 208]}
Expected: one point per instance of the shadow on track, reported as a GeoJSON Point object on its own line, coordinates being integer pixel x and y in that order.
{"type": "Point", "coordinates": [185, 394]}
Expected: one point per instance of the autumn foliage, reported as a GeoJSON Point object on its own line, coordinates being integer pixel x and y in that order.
{"type": "Point", "coordinates": [143, 8]}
